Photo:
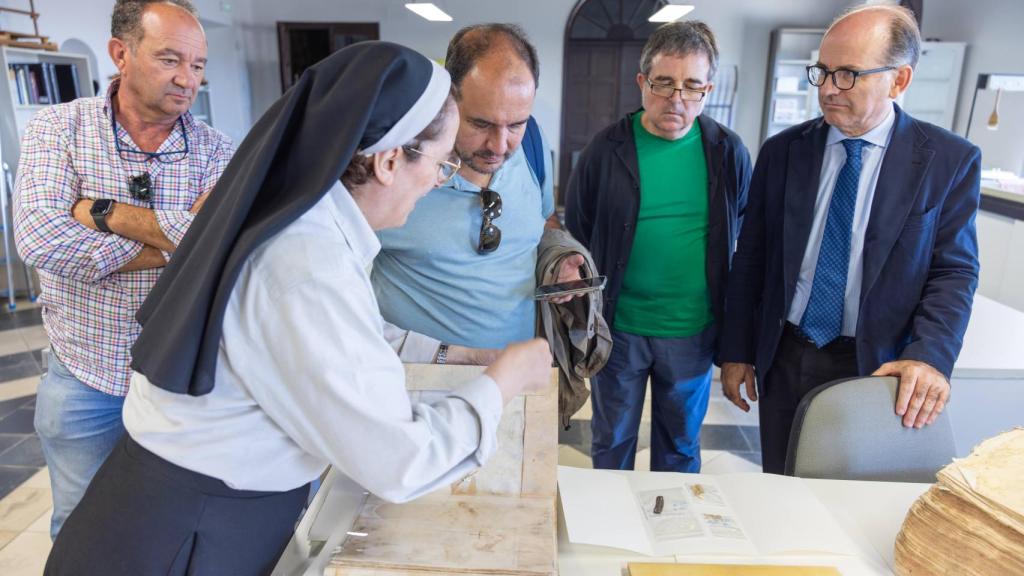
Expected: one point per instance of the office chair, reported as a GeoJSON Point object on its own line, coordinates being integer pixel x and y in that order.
{"type": "Point", "coordinates": [848, 430]}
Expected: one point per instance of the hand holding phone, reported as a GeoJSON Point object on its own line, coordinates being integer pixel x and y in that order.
{"type": "Point", "coordinates": [570, 288]}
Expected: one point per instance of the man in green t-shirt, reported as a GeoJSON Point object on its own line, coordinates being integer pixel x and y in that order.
{"type": "Point", "coordinates": [657, 198]}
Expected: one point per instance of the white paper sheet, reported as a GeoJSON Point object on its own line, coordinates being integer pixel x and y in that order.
{"type": "Point", "coordinates": [739, 514]}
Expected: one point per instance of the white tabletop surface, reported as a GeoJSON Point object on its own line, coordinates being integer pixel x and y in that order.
{"type": "Point", "coordinates": [871, 513]}
{"type": "Point", "coordinates": [994, 342]}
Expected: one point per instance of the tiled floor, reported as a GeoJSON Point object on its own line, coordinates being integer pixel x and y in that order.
{"type": "Point", "coordinates": [729, 444]}
{"type": "Point", "coordinates": [25, 503]}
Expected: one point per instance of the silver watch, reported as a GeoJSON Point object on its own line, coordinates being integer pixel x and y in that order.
{"type": "Point", "coordinates": [442, 354]}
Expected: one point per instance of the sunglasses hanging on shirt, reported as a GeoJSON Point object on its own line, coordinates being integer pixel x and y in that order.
{"type": "Point", "coordinates": [490, 235]}
{"type": "Point", "coordinates": [141, 188]}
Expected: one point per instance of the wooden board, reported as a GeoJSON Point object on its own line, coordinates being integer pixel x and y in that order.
{"type": "Point", "coordinates": [500, 520]}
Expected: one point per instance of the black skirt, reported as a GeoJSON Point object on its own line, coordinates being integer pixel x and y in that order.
{"type": "Point", "coordinates": [142, 516]}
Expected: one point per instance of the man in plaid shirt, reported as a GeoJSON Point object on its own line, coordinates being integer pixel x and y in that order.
{"type": "Point", "coordinates": [107, 188]}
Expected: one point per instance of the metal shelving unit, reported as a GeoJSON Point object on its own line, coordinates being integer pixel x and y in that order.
{"type": "Point", "coordinates": [14, 116]}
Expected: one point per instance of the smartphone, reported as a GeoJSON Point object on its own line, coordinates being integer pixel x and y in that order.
{"type": "Point", "coordinates": [573, 287]}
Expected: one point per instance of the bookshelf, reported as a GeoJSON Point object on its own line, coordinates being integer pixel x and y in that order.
{"type": "Point", "coordinates": [30, 80]}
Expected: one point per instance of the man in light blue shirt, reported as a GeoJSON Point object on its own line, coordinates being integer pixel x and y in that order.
{"type": "Point", "coordinates": [460, 275]}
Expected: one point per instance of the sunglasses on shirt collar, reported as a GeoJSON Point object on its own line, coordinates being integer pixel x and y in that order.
{"type": "Point", "coordinates": [490, 235]}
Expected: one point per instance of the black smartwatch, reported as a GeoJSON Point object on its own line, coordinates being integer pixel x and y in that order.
{"type": "Point", "coordinates": [99, 211]}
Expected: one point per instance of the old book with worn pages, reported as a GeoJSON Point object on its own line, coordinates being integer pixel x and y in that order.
{"type": "Point", "coordinates": [971, 522]}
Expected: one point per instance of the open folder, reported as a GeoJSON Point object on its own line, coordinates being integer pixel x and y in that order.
{"type": "Point", "coordinates": [733, 514]}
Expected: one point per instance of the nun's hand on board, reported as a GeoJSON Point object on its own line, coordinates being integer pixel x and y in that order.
{"type": "Point", "coordinates": [522, 367]}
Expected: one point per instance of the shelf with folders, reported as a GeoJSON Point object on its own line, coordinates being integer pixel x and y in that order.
{"type": "Point", "coordinates": [30, 80]}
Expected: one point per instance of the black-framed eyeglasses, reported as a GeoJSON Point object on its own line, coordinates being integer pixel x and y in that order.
{"type": "Point", "coordinates": [842, 78]}
{"type": "Point", "coordinates": [490, 235]}
{"type": "Point", "coordinates": [668, 91]}
{"type": "Point", "coordinates": [136, 155]}
{"type": "Point", "coordinates": [446, 169]}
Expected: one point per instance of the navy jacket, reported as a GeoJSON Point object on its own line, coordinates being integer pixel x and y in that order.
{"type": "Point", "coordinates": [603, 201]}
{"type": "Point", "coordinates": [920, 247]}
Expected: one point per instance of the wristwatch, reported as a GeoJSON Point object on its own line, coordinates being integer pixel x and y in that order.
{"type": "Point", "coordinates": [99, 211]}
{"type": "Point", "coordinates": [442, 354]}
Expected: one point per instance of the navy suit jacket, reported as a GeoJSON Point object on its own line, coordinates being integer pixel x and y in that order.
{"type": "Point", "coordinates": [920, 247]}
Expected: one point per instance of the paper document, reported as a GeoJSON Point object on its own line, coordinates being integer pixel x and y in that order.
{"type": "Point", "coordinates": [745, 514]}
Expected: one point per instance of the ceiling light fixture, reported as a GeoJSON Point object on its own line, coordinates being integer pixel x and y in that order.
{"type": "Point", "coordinates": [671, 13]}
{"type": "Point", "coordinates": [429, 11]}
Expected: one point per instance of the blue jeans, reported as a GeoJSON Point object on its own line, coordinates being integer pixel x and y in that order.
{"type": "Point", "coordinates": [680, 374]}
{"type": "Point", "coordinates": [78, 426]}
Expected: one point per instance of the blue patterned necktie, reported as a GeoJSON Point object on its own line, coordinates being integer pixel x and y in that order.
{"type": "Point", "coordinates": [823, 317]}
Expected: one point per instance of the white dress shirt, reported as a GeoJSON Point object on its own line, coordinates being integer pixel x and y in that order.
{"type": "Point", "coordinates": [305, 378]}
{"type": "Point", "coordinates": [871, 166]}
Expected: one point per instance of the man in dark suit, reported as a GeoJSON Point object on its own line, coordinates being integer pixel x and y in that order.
{"type": "Point", "coordinates": [858, 253]}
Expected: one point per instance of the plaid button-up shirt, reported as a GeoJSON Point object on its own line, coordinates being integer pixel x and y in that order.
{"type": "Point", "coordinates": [68, 153]}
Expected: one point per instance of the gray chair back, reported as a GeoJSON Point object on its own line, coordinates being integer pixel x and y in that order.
{"type": "Point", "coordinates": [848, 430]}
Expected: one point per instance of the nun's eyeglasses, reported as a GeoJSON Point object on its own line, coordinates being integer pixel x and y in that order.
{"type": "Point", "coordinates": [446, 169]}
{"type": "Point", "coordinates": [490, 235]}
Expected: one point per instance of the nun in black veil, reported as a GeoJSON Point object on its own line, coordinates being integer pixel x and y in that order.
{"type": "Point", "coordinates": [262, 357]}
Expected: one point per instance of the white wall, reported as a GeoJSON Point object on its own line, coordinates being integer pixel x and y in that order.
{"type": "Point", "coordinates": [89, 22]}
{"type": "Point", "coordinates": [743, 28]}
{"type": "Point", "coordinates": [995, 40]}
{"type": "Point", "coordinates": [544, 21]}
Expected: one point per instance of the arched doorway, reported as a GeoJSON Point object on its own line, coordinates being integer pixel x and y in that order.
{"type": "Point", "coordinates": [603, 40]}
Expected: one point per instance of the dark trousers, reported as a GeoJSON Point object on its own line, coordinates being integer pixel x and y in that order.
{"type": "Point", "coordinates": [799, 367]}
{"type": "Point", "coordinates": [680, 373]}
{"type": "Point", "coordinates": [143, 516]}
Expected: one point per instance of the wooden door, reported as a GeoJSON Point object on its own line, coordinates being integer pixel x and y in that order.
{"type": "Point", "coordinates": [302, 44]}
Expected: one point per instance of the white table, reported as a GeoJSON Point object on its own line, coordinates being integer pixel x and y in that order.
{"type": "Point", "coordinates": [988, 380]}
{"type": "Point", "coordinates": [871, 514]}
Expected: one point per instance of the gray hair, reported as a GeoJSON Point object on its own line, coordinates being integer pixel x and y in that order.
{"type": "Point", "coordinates": [474, 42]}
{"type": "Point", "coordinates": [126, 21]}
{"type": "Point", "coordinates": [681, 39]}
{"type": "Point", "coordinates": [904, 34]}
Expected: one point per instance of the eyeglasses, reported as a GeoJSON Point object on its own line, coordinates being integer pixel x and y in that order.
{"type": "Point", "coordinates": [141, 187]}
{"type": "Point", "coordinates": [668, 91]}
{"type": "Point", "coordinates": [446, 169]}
{"type": "Point", "coordinates": [842, 78]}
{"type": "Point", "coordinates": [490, 235]}
{"type": "Point", "coordinates": [136, 155]}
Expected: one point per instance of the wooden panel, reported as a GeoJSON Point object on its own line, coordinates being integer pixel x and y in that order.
{"type": "Point", "coordinates": [451, 535]}
{"type": "Point", "coordinates": [499, 521]}
{"type": "Point", "coordinates": [540, 439]}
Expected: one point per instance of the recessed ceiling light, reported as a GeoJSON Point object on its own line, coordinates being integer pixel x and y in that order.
{"type": "Point", "coordinates": [669, 13]}
{"type": "Point", "coordinates": [429, 11]}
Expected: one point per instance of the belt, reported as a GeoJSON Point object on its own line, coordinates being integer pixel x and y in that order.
{"type": "Point", "coordinates": [794, 331]}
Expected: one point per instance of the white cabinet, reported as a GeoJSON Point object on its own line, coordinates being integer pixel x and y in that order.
{"type": "Point", "coordinates": [933, 92]}
{"type": "Point", "coordinates": [789, 97]}
{"type": "Point", "coordinates": [1001, 254]}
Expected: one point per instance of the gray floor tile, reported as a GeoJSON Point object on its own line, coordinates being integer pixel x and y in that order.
{"type": "Point", "coordinates": [20, 365]}
{"type": "Point", "coordinates": [719, 437]}
{"type": "Point", "coordinates": [9, 406]}
{"type": "Point", "coordinates": [18, 422]}
{"type": "Point", "coordinates": [27, 453]}
{"type": "Point", "coordinates": [9, 440]}
{"type": "Point", "coordinates": [12, 476]}
{"type": "Point", "coordinates": [753, 436]}
{"type": "Point", "coordinates": [754, 457]}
